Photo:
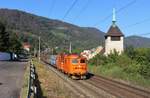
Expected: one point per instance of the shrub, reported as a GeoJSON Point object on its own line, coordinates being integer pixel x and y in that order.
{"type": "Point", "coordinates": [98, 60]}
{"type": "Point", "coordinates": [112, 57]}
{"type": "Point", "coordinates": [133, 61]}
{"type": "Point", "coordinates": [145, 70]}
{"type": "Point", "coordinates": [132, 68]}
{"type": "Point", "coordinates": [130, 51]}
{"type": "Point", "coordinates": [123, 61]}
{"type": "Point", "coordinates": [133, 65]}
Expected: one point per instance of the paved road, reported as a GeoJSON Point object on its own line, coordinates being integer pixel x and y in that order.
{"type": "Point", "coordinates": [11, 78]}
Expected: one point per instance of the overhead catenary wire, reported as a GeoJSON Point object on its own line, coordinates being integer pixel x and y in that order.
{"type": "Point", "coordinates": [82, 10]}
{"type": "Point", "coordinates": [137, 23]}
{"type": "Point", "coordinates": [52, 6]}
{"type": "Point", "coordinates": [70, 8]}
{"type": "Point", "coordinates": [127, 5]}
{"type": "Point", "coordinates": [119, 10]}
{"type": "Point", "coordinates": [68, 11]}
{"type": "Point", "coordinates": [143, 34]}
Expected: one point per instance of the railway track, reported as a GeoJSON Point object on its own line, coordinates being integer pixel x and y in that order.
{"type": "Point", "coordinates": [80, 88]}
{"type": "Point", "coordinates": [101, 87]}
{"type": "Point", "coordinates": [118, 89]}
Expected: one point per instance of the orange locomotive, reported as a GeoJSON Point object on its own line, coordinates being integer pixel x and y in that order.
{"type": "Point", "coordinates": [73, 65]}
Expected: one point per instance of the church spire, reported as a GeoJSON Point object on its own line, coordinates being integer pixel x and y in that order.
{"type": "Point", "coordinates": [114, 17]}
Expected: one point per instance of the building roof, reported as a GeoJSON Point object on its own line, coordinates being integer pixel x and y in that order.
{"type": "Point", "coordinates": [114, 31]}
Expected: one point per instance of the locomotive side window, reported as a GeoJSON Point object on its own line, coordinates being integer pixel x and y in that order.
{"type": "Point", "coordinates": [74, 61]}
{"type": "Point", "coordinates": [82, 61]}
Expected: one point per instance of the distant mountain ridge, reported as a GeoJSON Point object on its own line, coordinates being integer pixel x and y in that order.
{"type": "Point", "coordinates": [137, 41]}
{"type": "Point", "coordinates": [53, 32]}
{"type": "Point", "coordinates": [57, 33]}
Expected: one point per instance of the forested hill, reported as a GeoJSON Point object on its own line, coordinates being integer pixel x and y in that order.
{"type": "Point", "coordinates": [56, 33]}
{"type": "Point", "coordinates": [53, 32]}
{"type": "Point", "coordinates": [137, 41]}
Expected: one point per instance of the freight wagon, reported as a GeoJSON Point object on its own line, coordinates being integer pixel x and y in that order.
{"type": "Point", "coordinates": [53, 60]}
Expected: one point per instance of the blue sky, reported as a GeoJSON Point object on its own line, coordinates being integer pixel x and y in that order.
{"type": "Point", "coordinates": [133, 19]}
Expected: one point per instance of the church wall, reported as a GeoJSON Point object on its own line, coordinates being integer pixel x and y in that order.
{"type": "Point", "coordinates": [110, 46]}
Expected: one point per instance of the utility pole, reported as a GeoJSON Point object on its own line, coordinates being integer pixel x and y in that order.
{"type": "Point", "coordinates": [34, 52]}
{"type": "Point", "coordinates": [39, 47]}
{"type": "Point", "coordinates": [70, 47]}
{"type": "Point", "coordinates": [52, 50]}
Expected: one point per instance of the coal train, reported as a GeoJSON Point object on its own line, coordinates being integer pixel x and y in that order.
{"type": "Point", "coordinates": [73, 65]}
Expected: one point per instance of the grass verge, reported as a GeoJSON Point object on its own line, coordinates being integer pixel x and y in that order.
{"type": "Point", "coordinates": [24, 90]}
{"type": "Point", "coordinates": [51, 85]}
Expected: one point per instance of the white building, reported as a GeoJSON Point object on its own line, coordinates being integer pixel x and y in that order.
{"type": "Point", "coordinates": [26, 46]}
{"type": "Point", "coordinates": [114, 38]}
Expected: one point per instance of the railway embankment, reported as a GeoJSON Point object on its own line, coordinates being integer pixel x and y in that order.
{"type": "Point", "coordinates": [51, 85]}
{"type": "Point", "coordinates": [55, 84]}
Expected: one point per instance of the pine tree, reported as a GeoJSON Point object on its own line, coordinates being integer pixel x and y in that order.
{"type": "Point", "coordinates": [9, 42]}
{"type": "Point", "coordinates": [4, 39]}
{"type": "Point", "coordinates": [15, 43]}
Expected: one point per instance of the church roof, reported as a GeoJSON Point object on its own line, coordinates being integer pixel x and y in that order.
{"type": "Point", "coordinates": [114, 31]}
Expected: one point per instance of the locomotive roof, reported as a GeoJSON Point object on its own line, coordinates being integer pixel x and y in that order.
{"type": "Point", "coordinates": [73, 55]}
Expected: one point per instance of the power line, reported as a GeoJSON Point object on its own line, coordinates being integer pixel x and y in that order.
{"type": "Point", "coordinates": [137, 23]}
{"type": "Point", "coordinates": [68, 11]}
{"type": "Point", "coordinates": [119, 10]}
{"type": "Point", "coordinates": [143, 34]}
{"type": "Point", "coordinates": [127, 5]}
{"type": "Point", "coordinates": [83, 9]}
{"type": "Point", "coordinates": [52, 6]}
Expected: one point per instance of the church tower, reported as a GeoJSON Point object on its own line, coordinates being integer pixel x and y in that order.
{"type": "Point", "coordinates": [114, 38]}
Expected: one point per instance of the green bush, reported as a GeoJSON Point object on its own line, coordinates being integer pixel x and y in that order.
{"type": "Point", "coordinates": [145, 70]}
{"type": "Point", "coordinates": [112, 57]}
{"type": "Point", "coordinates": [130, 52]}
{"type": "Point", "coordinates": [98, 60]}
{"type": "Point", "coordinates": [132, 69]}
{"type": "Point", "coordinates": [133, 65]}
{"type": "Point", "coordinates": [123, 61]}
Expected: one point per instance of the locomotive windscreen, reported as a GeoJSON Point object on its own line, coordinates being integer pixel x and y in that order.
{"type": "Point", "coordinates": [74, 61]}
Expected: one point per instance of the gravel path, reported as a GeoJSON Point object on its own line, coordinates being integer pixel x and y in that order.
{"type": "Point", "coordinates": [11, 78]}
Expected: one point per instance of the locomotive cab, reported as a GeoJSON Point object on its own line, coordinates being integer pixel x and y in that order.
{"type": "Point", "coordinates": [77, 66]}
{"type": "Point", "coordinates": [73, 65]}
